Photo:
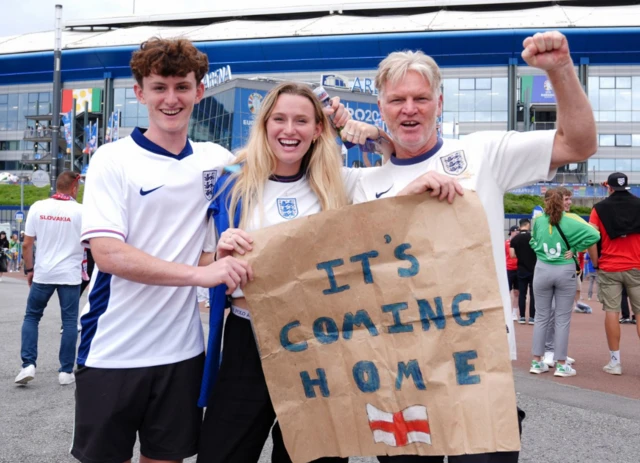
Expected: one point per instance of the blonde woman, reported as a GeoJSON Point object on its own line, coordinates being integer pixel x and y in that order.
{"type": "Point", "coordinates": [290, 168]}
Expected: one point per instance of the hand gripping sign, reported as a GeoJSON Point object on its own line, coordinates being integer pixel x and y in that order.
{"type": "Point", "coordinates": [381, 331]}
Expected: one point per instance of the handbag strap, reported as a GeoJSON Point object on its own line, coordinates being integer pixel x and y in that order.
{"type": "Point", "coordinates": [567, 243]}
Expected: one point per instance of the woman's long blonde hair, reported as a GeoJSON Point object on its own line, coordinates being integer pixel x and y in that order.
{"type": "Point", "coordinates": [321, 164]}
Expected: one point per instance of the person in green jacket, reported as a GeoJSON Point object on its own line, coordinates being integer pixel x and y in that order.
{"type": "Point", "coordinates": [555, 277]}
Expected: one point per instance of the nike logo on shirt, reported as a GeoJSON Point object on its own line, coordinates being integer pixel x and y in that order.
{"type": "Point", "coordinates": [146, 192]}
{"type": "Point", "coordinates": [384, 192]}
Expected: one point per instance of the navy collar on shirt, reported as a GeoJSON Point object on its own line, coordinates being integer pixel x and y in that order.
{"type": "Point", "coordinates": [287, 178]}
{"type": "Point", "coordinates": [145, 143]}
{"type": "Point", "coordinates": [417, 159]}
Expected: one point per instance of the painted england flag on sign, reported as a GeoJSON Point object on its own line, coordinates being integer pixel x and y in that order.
{"type": "Point", "coordinates": [401, 428]}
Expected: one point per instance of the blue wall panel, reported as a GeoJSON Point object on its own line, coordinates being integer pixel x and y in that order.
{"type": "Point", "coordinates": [603, 46]}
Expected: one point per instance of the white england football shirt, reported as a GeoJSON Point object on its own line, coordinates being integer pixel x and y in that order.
{"type": "Point", "coordinates": [140, 194]}
{"type": "Point", "coordinates": [55, 224]}
{"type": "Point", "coordinates": [287, 198]}
{"type": "Point", "coordinates": [489, 163]}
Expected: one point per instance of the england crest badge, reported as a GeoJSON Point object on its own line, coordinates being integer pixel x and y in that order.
{"type": "Point", "coordinates": [209, 178]}
{"type": "Point", "coordinates": [288, 208]}
{"type": "Point", "coordinates": [454, 163]}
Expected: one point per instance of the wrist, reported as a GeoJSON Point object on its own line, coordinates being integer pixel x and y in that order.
{"type": "Point", "coordinates": [561, 70]}
{"type": "Point", "coordinates": [28, 270]}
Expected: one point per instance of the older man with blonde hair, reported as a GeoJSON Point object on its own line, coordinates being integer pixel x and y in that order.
{"type": "Point", "coordinates": [489, 163]}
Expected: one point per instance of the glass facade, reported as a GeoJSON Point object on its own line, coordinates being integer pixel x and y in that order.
{"type": "Point", "coordinates": [133, 113]}
{"type": "Point", "coordinates": [226, 118]}
{"type": "Point", "coordinates": [475, 99]}
{"type": "Point", "coordinates": [615, 99]}
{"type": "Point", "coordinates": [212, 119]}
{"type": "Point", "coordinates": [14, 107]}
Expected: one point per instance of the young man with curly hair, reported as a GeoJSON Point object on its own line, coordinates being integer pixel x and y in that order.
{"type": "Point", "coordinates": [141, 353]}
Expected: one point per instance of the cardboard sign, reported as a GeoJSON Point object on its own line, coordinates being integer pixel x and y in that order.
{"type": "Point", "coordinates": [381, 331]}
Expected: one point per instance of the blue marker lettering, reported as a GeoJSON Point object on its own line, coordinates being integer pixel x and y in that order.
{"type": "Point", "coordinates": [308, 384]}
{"type": "Point", "coordinates": [284, 338]}
{"type": "Point", "coordinates": [455, 308]}
{"type": "Point", "coordinates": [398, 326]}
{"type": "Point", "coordinates": [328, 267]}
{"type": "Point", "coordinates": [366, 376]}
{"type": "Point", "coordinates": [464, 368]}
{"type": "Point", "coordinates": [402, 255]}
{"type": "Point", "coordinates": [410, 369]}
{"type": "Point", "coordinates": [366, 268]}
{"type": "Point", "coordinates": [360, 318]}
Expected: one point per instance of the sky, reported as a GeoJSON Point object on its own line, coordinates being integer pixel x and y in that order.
{"type": "Point", "coordinates": [25, 16]}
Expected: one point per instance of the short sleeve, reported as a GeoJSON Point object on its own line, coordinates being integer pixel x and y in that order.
{"type": "Point", "coordinates": [211, 237]}
{"type": "Point", "coordinates": [520, 158]}
{"type": "Point", "coordinates": [353, 182]}
{"type": "Point", "coordinates": [30, 224]}
{"type": "Point", "coordinates": [104, 214]}
{"type": "Point", "coordinates": [351, 177]}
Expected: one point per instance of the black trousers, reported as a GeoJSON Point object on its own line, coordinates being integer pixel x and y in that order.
{"type": "Point", "coordinates": [525, 281]}
{"type": "Point", "coordinates": [240, 415]}
{"type": "Point", "coordinates": [624, 305]}
{"type": "Point", "coordinates": [495, 457]}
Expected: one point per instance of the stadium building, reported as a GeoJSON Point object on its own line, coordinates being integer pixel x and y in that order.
{"type": "Point", "coordinates": [486, 84]}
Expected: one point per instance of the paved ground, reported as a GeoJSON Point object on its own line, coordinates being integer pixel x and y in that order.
{"type": "Point", "coordinates": [588, 345]}
{"type": "Point", "coordinates": [567, 421]}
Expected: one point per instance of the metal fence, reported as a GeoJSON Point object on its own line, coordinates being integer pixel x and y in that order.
{"type": "Point", "coordinates": [514, 219]}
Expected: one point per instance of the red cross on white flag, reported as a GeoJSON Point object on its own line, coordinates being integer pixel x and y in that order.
{"type": "Point", "coordinates": [400, 428]}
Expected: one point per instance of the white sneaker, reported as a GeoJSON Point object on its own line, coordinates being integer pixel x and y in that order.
{"type": "Point", "coordinates": [538, 367]}
{"type": "Point", "coordinates": [66, 378]}
{"type": "Point", "coordinates": [613, 368]}
{"type": "Point", "coordinates": [564, 370]}
{"type": "Point", "coordinates": [26, 374]}
{"type": "Point", "coordinates": [548, 359]}
{"type": "Point", "coordinates": [514, 315]}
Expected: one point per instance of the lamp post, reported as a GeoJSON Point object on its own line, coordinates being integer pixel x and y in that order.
{"type": "Point", "coordinates": [57, 161]}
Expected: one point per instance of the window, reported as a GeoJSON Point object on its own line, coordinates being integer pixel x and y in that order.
{"type": "Point", "coordinates": [9, 165]}
{"type": "Point", "coordinates": [467, 84]}
{"type": "Point", "coordinates": [14, 107]}
{"type": "Point", "coordinates": [635, 165]}
{"type": "Point", "coordinates": [623, 165]}
{"type": "Point", "coordinates": [623, 140]}
{"type": "Point", "coordinates": [475, 99]}
{"type": "Point", "coordinates": [607, 140]}
{"type": "Point", "coordinates": [608, 165]}
{"type": "Point", "coordinates": [607, 82]}
{"type": "Point", "coordinates": [133, 113]}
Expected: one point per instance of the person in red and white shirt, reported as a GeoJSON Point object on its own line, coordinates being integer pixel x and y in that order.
{"type": "Point", "coordinates": [55, 222]}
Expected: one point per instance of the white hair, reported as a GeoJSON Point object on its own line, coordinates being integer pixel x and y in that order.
{"type": "Point", "coordinates": [395, 67]}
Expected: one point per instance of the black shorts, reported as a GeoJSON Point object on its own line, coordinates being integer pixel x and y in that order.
{"type": "Point", "coordinates": [239, 413]}
{"type": "Point", "coordinates": [159, 403]}
{"type": "Point", "coordinates": [512, 277]}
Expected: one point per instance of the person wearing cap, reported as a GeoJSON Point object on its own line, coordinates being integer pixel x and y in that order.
{"type": "Point", "coordinates": [618, 220]}
{"type": "Point", "coordinates": [512, 272]}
